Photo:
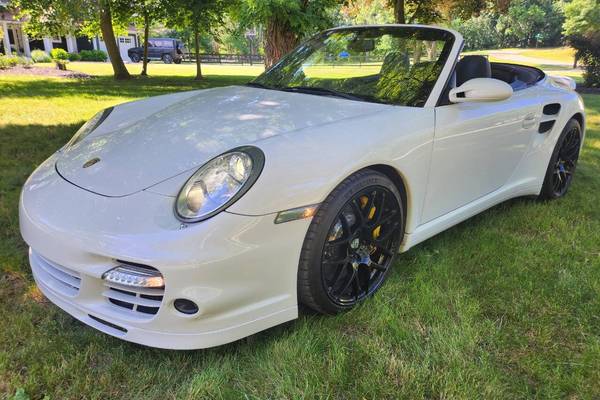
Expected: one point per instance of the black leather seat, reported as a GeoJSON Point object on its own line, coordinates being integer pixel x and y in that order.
{"type": "Point", "coordinates": [470, 67]}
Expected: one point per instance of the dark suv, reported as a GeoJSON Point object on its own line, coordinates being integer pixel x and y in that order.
{"type": "Point", "coordinates": [166, 49]}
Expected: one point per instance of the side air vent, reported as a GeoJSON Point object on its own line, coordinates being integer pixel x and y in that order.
{"type": "Point", "coordinates": [57, 277]}
{"type": "Point", "coordinates": [551, 109]}
{"type": "Point", "coordinates": [546, 126]}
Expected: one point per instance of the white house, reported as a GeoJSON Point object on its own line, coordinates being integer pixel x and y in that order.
{"type": "Point", "coordinates": [15, 39]}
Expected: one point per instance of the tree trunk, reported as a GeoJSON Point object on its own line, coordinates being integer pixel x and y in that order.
{"type": "Point", "coordinates": [197, 50]}
{"type": "Point", "coordinates": [108, 35]}
{"type": "Point", "coordinates": [575, 60]}
{"type": "Point", "coordinates": [146, 33]}
{"type": "Point", "coordinates": [399, 15]}
{"type": "Point", "coordinates": [279, 40]}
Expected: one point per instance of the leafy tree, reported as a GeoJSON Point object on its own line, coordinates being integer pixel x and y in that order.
{"type": "Point", "coordinates": [582, 17]}
{"type": "Point", "coordinates": [429, 11]}
{"type": "Point", "coordinates": [479, 32]}
{"type": "Point", "coordinates": [582, 27]}
{"type": "Point", "coordinates": [65, 17]}
{"type": "Point", "coordinates": [367, 12]}
{"type": "Point", "coordinates": [201, 16]}
{"type": "Point", "coordinates": [108, 35]}
{"type": "Point", "coordinates": [285, 22]}
{"type": "Point", "coordinates": [147, 12]}
{"type": "Point", "coordinates": [49, 18]}
{"type": "Point", "coordinates": [530, 23]}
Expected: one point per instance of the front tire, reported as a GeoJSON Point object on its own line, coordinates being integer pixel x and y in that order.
{"type": "Point", "coordinates": [135, 58]}
{"type": "Point", "coordinates": [167, 58]}
{"type": "Point", "coordinates": [560, 171]}
{"type": "Point", "coordinates": [351, 243]}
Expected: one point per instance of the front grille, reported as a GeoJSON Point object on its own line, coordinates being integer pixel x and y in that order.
{"type": "Point", "coordinates": [142, 301]}
{"type": "Point", "coordinates": [55, 276]}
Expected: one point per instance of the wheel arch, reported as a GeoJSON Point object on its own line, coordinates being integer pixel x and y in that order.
{"type": "Point", "coordinates": [399, 181]}
{"type": "Point", "coordinates": [578, 116]}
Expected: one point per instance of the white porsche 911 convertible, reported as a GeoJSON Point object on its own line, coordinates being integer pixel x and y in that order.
{"type": "Point", "coordinates": [194, 219]}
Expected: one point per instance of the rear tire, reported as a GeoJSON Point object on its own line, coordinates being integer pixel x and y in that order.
{"type": "Point", "coordinates": [563, 162]}
{"type": "Point", "coordinates": [351, 243]}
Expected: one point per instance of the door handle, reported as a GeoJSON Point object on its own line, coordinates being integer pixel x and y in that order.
{"type": "Point", "coordinates": [529, 121]}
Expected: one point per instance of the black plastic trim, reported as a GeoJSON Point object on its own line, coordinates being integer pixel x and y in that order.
{"type": "Point", "coordinates": [109, 324]}
{"type": "Point", "coordinates": [258, 163]}
{"type": "Point", "coordinates": [546, 126]}
{"type": "Point", "coordinates": [551, 109]}
{"type": "Point", "coordinates": [444, 97]}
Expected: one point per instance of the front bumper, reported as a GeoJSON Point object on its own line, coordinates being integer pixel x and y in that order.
{"type": "Point", "coordinates": [240, 270]}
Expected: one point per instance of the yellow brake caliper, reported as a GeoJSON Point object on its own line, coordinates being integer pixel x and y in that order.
{"type": "Point", "coordinates": [363, 203]}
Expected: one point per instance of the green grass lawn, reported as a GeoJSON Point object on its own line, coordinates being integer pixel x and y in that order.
{"type": "Point", "coordinates": [505, 305]}
{"type": "Point", "coordinates": [561, 54]}
{"type": "Point", "coordinates": [160, 69]}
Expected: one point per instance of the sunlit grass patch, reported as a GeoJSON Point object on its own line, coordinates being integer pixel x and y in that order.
{"type": "Point", "coordinates": [156, 68]}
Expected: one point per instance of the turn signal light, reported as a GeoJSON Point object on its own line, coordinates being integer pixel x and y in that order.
{"type": "Point", "coordinates": [131, 275]}
{"type": "Point", "coordinates": [296, 213]}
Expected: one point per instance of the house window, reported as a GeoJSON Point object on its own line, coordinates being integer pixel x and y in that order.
{"type": "Point", "coordinates": [125, 40]}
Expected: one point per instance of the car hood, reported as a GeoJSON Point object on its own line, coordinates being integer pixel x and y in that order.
{"type": "Point", "coordinates": [146, 142]}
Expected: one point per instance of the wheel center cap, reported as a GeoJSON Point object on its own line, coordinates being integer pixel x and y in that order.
{"type": "Point", "coordinates": [355, 243]}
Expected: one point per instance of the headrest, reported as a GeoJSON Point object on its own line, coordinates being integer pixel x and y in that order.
{"type": "Point", "coordinates": [470, 67]}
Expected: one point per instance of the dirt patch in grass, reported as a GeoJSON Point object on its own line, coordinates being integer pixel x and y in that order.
{"type": "Point", "coordinates": [44, 71]}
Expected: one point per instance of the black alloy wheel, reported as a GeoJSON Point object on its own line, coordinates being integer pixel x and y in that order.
{"type": "Point", "coordinates": [351, 243]}
{"type": "Point", "coordinates": [167, 58]}
{"type": "Point", "coordinates": [564, 167]}
{"type": "Point", "coordinates": [563, 162]}
{"type": "Point", "coordinates": [359, 246]}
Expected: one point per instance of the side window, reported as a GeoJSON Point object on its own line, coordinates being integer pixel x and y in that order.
{"type": "Point", "coordinates": [164, 43]}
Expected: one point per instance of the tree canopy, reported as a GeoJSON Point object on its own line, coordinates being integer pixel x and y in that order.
{"type": "Point", "coordinates": [582, 27]}
{"type": "Point", "coordinates": [65, 17]}
{"type": "Point", "coordinates": [200, 16]}
{"type": "Point", "coordinates": [285, 21]}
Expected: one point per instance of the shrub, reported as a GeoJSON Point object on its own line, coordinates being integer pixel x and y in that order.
{"type": "Point", "coordinates": [59, 54]}
{"type": "Point", "coordinates": [74, 57]}
{"type": "Point", "coordinates": [40, 56]}
{"type": "Point", "coordinates": [587, 49]}
{"type": "Point", "coordinates": [11, 61]}
{"type": "Point", "coordinates": [93, 55]}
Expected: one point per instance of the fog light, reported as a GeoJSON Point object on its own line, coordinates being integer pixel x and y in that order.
{"type": "Point", "coordinates": [185, 306]}
{"type": "Point", "coordinates": [131, 275]}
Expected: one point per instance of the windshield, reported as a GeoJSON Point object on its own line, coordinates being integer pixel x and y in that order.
{"type": "Point", "coordinates": [392, 65]}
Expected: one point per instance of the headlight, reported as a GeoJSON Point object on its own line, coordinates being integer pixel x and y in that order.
{"type": "Point", "coordinates": [89, 126]}
{"type": "Point", "coordinates": [219, 183]}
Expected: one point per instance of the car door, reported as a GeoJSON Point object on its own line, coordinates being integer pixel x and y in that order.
{"type": "Point", "coordinates": [152, 50]}
{"type": "Point", "coordinates": [477, 147]}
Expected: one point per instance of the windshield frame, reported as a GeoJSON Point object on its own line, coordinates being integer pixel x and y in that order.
{"type": "Point", "coordinates": [447, 58]}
